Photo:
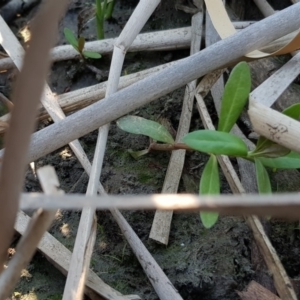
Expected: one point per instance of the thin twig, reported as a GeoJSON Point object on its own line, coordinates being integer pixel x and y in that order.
{"type": "Point", "coordinates": [28, 90]}
{"type": "Point", "coordinates": [161, 225]}
{"type": "Point", "coordinates": [264, 7]}
{"type": "Point", "coordinates": [285, 205]}
{"type": "Point", "coordinates": [26, 247]}
{"type": "Point", "coordinates": [171, 39]}
{"type": "Point", "coordinates": [83, 97]}
{"type": "Point", "coordinates": [60, 257]}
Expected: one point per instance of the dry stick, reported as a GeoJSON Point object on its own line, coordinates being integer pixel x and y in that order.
{"type": "Point", "coordinates": [171, 39]}
{"type": "Point", "coordinates": [48, 100]}
{"type": "Point", "coordinates": [270, 123]}
{"type": "Point", "coordinates": [81, 98]}
{"type": "Point", "coordinates": [271, 89]}
{"type": "Point", "coordinates": [160, 282]}
{"type": "Point", "coordinates": [223, 53]}
{"type": "Point", "coordinates": [281, 280]}
{"type": "Point", "coordinates": [264, 7]}
{"type": "Point", "coordinates": [49, 103]}
{"type": "Point", "coordinates": [60, 257]}
{"type": "Point", "coordinates": [26, 97]}
{"type": "Point", "coordinates": [84, 243]}
{"type": "Point", "coordinates": [26, 247]}
{"type": "Point", "coordinates": [274, 125]}
{"type": "Point", "coordinates": [78, 99]}
{"type": "Point", "coordinates": [279, 205]}
{"type": "Point", "coordinates": [267, 10]}
{"type": "Point", "coordinates": [161, 225]}
{"type": "Point", "coordinates": [256, 291]}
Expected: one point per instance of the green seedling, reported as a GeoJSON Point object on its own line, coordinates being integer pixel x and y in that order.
{"type": "Point", "coordinates": [221, 142]}
{"type": "Point", "coordinates": [104, 10]}
{"type": "Point", "coordinates": [78, 45]}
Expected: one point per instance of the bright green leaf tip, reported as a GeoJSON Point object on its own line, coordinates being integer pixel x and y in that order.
{"type": "Point", "coordinates": [209, 219]}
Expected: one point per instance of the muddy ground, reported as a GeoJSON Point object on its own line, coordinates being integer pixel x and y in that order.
{"type": "Point", "coordinates": [202, 264]}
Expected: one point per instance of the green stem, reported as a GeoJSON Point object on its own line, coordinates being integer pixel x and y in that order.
{"type": "Point", "coordinates": [109, 10]}
{"type": "Point", "coordinates": [169, 147]}
{"type": "Point", "coordinates": [104, 10]}
{"type": "Point", "coordinates": [100, 12]}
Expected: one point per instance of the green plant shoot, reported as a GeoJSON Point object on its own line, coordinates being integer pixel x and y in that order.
{"type": "Point", "coordinates": [104, 10]}
{"type": "Point", "coordinates": [78, 45]}
{"type": "Point", "coordinates": [266, 154]}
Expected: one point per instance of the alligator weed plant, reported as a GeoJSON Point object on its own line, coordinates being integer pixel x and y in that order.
{"type": "Point", "coordinates": [221, 141]}
{"type": "Point", "coordinates": [103, 10]}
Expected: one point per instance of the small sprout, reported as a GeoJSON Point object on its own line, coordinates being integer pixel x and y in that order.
{"type": "Point", "coordinates": [78, 45]}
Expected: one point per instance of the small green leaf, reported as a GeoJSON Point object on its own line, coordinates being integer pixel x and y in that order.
{"type": "Point", "coordinates": [71, 38]}
{"type": "Point", "coordinates": [290, 161]}
{"type": "Point", "coordinates": [262, 178]}
{"type": "Point", "coordinates": [262, 144]}
{"type": "Point", "coordinates": [267, 148]}
{"type": "Point", "coordinates": [210, 185]}
{"type": "Point", "coordinates": [293, 111]}
{"type": "Point", "coordinates": [235, 96]}
{"type": "Point", "coordinates": [273, 151]}
{"type": "Point", "coordinates": [138, 125]}
{"type": "Point", "coordinates": [216, 142]}
{"type": "Point", "coordinates": [81, 42]}
{"type": "Point", "coordinates": [91, 54]}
